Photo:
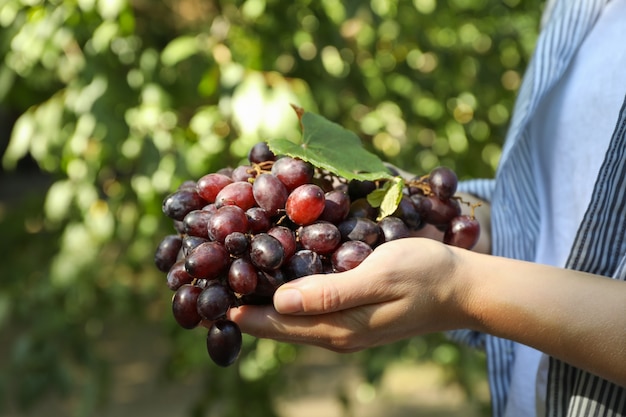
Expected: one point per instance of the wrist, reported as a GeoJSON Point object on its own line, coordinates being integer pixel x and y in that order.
{"type": "Point", "coordinates": [465, 280]}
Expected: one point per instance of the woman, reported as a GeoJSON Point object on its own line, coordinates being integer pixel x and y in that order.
{"type": "Point", "coordinates": [549, 303]}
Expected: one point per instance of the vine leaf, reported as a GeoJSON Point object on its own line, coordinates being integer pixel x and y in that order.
{"type": "Point", "coordinates": [387, 198]}
{"type": "Point", "coordinates": [329, 146]}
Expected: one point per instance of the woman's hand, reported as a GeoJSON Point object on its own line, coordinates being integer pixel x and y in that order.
{"type": "Point", "coordinates": [404, 288]}
{"type": "Point", "coordinates": [416, 286]}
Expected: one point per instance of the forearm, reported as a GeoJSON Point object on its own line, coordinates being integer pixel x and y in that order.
{"type": "Point", "coordinates": [573, 316]}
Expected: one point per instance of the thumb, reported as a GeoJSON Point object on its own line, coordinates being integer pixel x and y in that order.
{"type": "Point", "coordinates": [317, 294]}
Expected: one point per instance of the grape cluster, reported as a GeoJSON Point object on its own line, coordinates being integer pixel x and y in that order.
{"type": "Point", "coordinates": [243, 232]}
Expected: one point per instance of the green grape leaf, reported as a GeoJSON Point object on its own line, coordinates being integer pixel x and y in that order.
{"type": "Point", "coordinates": [387, 198]}
{"type": "Point", "coordinates": [329, 146]}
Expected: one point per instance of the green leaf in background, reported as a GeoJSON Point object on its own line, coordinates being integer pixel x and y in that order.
{"type": "Point", "coordinates": [329, 146]}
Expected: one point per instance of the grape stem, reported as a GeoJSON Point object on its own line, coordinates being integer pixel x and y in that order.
{"type": "Point", "coordinates": [261, 168]}
{"type": "Point", "coordinates": [471, 205]}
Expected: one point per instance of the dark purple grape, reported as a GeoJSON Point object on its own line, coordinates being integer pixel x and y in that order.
{"type": "Point", "coordinates": [266, 252]}
{"type": "Point", "coordinates": [227, 220]}
{"type": "Point", "coordinates": [360, 228]}
{"type": "Point", "coordinates": [195, 223]}
{"type": "Point", "coordinates": [321, 237]}
{"type": "Point", "coordinates": [393, 228]}
{"type": "Point", "coordinates": [360, 188]}
{"type": "Point", "coordinates": [187, 185]}
{"type": "Point", "coordinates": [304, 262]}
{"type": "Point", "coordinates": [362, 208]}
{"type": "Point", "coordinates": [178, 276]}
{"type": "Point", "coordinates": [223, 342]}
{"type": "Point", "coordinates": [179, 226]}
{"type": "Point", "coordinates": [181, 202]}
{"type": "Point", "coordinates": [209, 260]}
{"type": "Point", "coordinates": [258, 220]}
{"type": "Point", "coordinates": [327, 184]}
{"type": "Point", "coordinates": [236, 194]}
{"type": "Point", "coordinates": [184, 304]}
{"type": "Point", "coordinates": [269, 193]}
{"type": "Point", "coordinates": [259, 153]}
{"type": "Point", "coordinates": [443, 182]}
{"type": "Point", "coordinates": [287, 239]}
{"type": "Point", "coordinates": [214, 301]}
{"type": "Point", "coordinates": [305, 204]}
{"type": "Point", "coordinates": [236, 243]}
{"type": "Point", "coordinates": [293, 172]}
{"type": "Point", "coordinates": [350, 255]}
{"type": "Point", "coordinates": [336, 206]}
{"type": "Point", "coordinates": [269, 281]}
{"type": "Point", "coordinates": [166, 253]}
{"type": "Point", "coordinates": [242, 276]}
{"type": "Point", "coordinates": [437, 212]}
{"type": "Point", "coordinates": [228, 171]}
{"type": "Point", "coordinates": [408, 212]}
{"type": "Point", "coordinates": [463, 232]}
{"type": "Point", "coordinates": [190, 243]}
{"type": "Point", "coordinates": [211, 184]}
{"type": "Point", "coordinates": [243, 173]}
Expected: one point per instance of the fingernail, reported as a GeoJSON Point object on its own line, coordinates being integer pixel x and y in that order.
{"type": "Point", "coordinates": [288, 301]}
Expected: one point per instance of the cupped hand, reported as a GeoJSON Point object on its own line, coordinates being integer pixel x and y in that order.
{"type": "Point", "coordinates": [404, 288]}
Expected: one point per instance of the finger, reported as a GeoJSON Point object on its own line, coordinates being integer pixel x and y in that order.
{"type": "Point", "coordinates": [318, 294]}
{"type": "Point", "coordinates": [341, 331]}
{"type": "Point", "coordinates": [266, 322]}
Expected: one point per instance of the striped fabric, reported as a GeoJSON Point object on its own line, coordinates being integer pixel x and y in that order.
{"type": "Point", "coordinates": [600, 245]}
{"type": "Point", "coordinates": [599, 248]}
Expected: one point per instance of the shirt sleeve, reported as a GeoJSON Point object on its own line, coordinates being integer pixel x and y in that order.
{"type": "Point", "coordinates": [481, 188]}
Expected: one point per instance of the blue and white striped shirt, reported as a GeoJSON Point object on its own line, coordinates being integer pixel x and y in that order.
{"type": "Point", "coordinates": [600, 244]}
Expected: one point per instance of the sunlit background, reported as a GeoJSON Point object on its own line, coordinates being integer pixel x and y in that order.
{"type": "Point", "coordinates": [106, 106]}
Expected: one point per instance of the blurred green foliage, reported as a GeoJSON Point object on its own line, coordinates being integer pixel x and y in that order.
{"type": "Point", "coordinates": [118, 102]}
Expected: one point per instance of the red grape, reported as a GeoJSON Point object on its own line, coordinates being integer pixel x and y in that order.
{"type": "Point", "coordinates": [196, 221]}
{"type": "Point", "coordinates": [227, 220]}
{"type": "Point", "coordinates": [242, 276]}
{"type": "Point", "coordinates": [293, 172]}
{"type": "Point", "coordinates": [286, 237]}
{"type": "Point", "coordinates": [350, 255]}
{"type": "Point", "coordinates": [178, 276]}
{"type": "Point", "coordinates": [184, 306]}
{"type": "Point", "coordinates": [236, 194]}
{"type": "Point", "coordinates": [321, 237]}
{"type": "Point", "coordinates": [463, 232]}
{"type": "Point", "coordinates": [211, 184]}
{"type": "Point", "coordinates": [208, 260]}
{"type": "Point", "coordinates": [305, 204]}
{"type": "Point", "coordinates": [269, 193]}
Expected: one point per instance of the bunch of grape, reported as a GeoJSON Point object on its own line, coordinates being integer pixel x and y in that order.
{"type": "Point", "coordinates": [243, 232]}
